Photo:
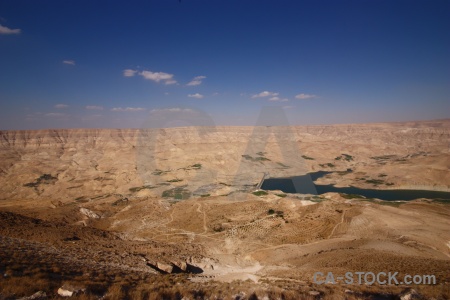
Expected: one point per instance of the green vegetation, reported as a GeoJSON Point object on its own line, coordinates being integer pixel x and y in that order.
{"type": "Point", "coordinates": [270, 212]}
{"type": "Point", "coordinates": [179, 193]}
{"type": "Point", "coordinates": [307, 157]}
{"type": "Point", "coordinates": [385, 202]}
{"type": "Point", "coordinates": [375, 181]}
{"type": "Point", "coordinates": [205, 195]}
{"type": "Point", "coordinates": [345, 157]}
{"type": "Point", "coordinates": [260, 193]}
{"type": "Point", "coordinates": [139, 188]}
{"type": "Point", "coordinates": [344, 172]}
{"type": "Point", "coordinates": [193, 167]}
{"type": "Point", "coordinates": [351, 196]}
{"type": "Point", "coordinates": [281, 195]}
{"type": "Point", "coordinates": [259, 158]}
{"type": "Point", "coordinates": [81, 199]}
{"type": "Point", "coordinates": [175, 180]}
{"type": "Point", "coordinates": [330, 165]}
{"type": "Point", "coordinates": [122, 201]}
{"type": "Point", "coordinates": [283, 165]}
{"type": "Point", "coordinates": [317, 199]}
{"type": "Point", "coordinates": [383, 157]}
{"type": "Point", "coordinates": [43, 179]}
{"type": "Point", "coordinates": [218, 228]}
{"type": "Point", "coordinates": [158, 172]}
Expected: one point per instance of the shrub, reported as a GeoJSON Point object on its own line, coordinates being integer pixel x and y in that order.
{"type": "Point", "coordinates": [375, 181]}
{"type": "Point", "coordinates": [177, 193]}
{"type": "Point", "coordinates": [307, 157]}
{"type": "Point", "coordinates": [175, 180]}
{"type": "Point", "coordinates": [351, 196]}
{"type": "Point", "coordinates": [260, 193]}
{"type": "Point", "coordinates": [137, 189]}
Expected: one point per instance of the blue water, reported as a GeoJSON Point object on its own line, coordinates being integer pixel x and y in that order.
{"type": "Point", "coordinates": [305, 185]}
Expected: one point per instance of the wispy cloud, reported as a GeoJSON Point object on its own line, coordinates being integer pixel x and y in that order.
{"type": "Point", "coordinates": [158, 76]}
{"type": "Point", "coordinates": [278, 99]}
{"type": "Point", "coordinates": [265, 94]}
{"type": "Point", "coordinates": [94, 107]}
{"type": "Point", "coordinates": [129, 73]}
{"type": "Point", "coordinates": [6, 30]}
{"type": "Point", "coordinates": [305, 96]}
{"type": "Point", "coordinates": [173, 109]}
{"type": "Point", "coordinates": [196, 95]}
{"type": "Point", "coordinates": [196, 81]}
{"type": "Point", "coordinates": [61, 106]}
{"type": "Point", "coordinates": [131, 109]}
{"type": "Point", "coordinates": [69, 62]}
{"type": "Point", "coordinates": [53, 114]}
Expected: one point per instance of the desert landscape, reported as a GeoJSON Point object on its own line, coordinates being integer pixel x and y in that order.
{"type": "Point", "coordinates": [176, 213]}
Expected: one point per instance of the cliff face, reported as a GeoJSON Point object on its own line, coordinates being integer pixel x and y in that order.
{"type": "Point", "coordinates": [67, 164]}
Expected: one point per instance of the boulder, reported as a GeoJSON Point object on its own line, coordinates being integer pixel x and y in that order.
{"type": "Point", "coordinates": [69, 290]}
{"type": "Point", "coordinates": [36, 296]}
{"type": "Point", "coordinates": [410, 295]}
{"type": "Point", "coordinates": [89, 213]}
{"type": "Point", "coordinates": [181, 265]}
{"type": "Point", "coordinates": [162, 267]}
{"type": "Point", "coordinates": [64, 293]}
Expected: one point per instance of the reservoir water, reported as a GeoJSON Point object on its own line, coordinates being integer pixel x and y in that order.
{"type": "Point", "coordinates": [304, 185]}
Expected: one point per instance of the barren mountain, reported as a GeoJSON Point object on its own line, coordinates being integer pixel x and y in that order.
{"type": "Point", "coordinates": [131, 205]}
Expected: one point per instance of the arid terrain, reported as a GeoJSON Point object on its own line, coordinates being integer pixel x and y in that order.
{"type": "Point", "coordinates": [173, 213]}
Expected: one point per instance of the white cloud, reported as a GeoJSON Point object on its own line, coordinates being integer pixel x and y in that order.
{"type": "Point", "coordinates": [265, 94]}
{"type": "Point", "coordinates": [196, 81]}
{"type": "Point", "coordinates": [59, 106]}
{"type": "Point", "coordinates": [56, 115]}
{"type": "Point", "coordinates": [174, 109]}
{"type": "Point", "coordinates": [278, 99]}
{"type": "Point", "coordinates": [94, 107]}
{"type": "Point", "coordinates": [196, 95]}
{"type": "Point", "coordinates": [129, 73]}
{"type": "Point", "coordinates": [305, 96]}
{"type": "Point", "coordinates": [6, 30]}
{"type": "Point", "coordinates": [158, 76]}
{"type": "Point", "coordinates": [69, 62]}
{"type": "Point", "coordinates": [170, 82]}
{"type": "Point", "coordinates": [132, 109]}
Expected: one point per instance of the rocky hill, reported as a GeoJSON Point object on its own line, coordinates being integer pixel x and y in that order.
{"type": "Point", "coordinates": [65, 164]}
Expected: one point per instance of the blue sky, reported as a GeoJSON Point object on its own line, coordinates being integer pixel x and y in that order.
{"type": "Point", "coordinates": [85, 64]}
